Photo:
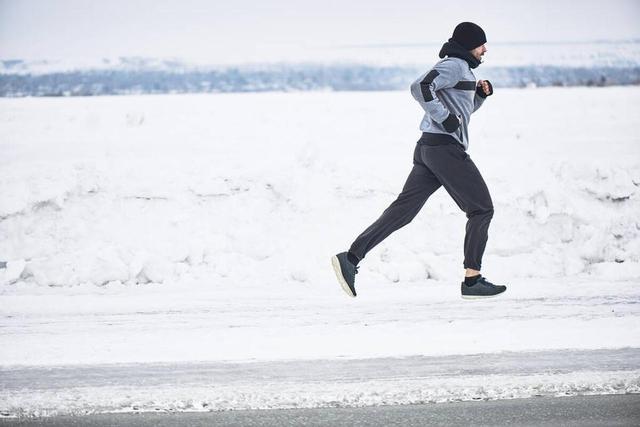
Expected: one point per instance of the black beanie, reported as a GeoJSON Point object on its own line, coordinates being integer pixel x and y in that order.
{"type": "Point", "coordinates": [469, 35]}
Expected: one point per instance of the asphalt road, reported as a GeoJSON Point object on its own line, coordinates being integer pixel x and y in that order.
{"type": "Point", "coordinates": [606, 410]}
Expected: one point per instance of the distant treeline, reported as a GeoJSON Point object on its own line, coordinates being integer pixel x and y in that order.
{"type": "Point", "coordinates": [290, 78]}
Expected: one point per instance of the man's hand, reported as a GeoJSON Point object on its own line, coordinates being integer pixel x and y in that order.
{"type": "Point", "coordinates": [484, 88]}
{"type": "Point", "coordinates": [451, 123]}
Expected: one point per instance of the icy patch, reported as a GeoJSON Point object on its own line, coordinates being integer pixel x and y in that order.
{"type": "Point", "coordinates": [318, 383]}
{"type": "Point", "coordinates": [88, 400]}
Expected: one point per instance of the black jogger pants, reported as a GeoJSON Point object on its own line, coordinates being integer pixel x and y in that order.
{"type": "Point", "coordinates": [434, 165]}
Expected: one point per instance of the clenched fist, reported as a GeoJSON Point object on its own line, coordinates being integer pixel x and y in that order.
{"type": "Point", "coordinates": [484, 88]}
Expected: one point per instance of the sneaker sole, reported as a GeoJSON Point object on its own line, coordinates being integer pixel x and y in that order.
{"type": "Point", "coordinates": [336, 267]}
{"type": "Point", "coordinates": [477, 297]}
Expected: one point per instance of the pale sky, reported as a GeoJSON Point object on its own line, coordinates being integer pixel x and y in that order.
{"type": "Point", "coordinates": [31, 29]}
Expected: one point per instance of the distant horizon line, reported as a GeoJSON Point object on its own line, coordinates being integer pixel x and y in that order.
{"type": "Point", "coordinates": [187, 59]}
{"type": "Point", "coordinates": [526, 42]}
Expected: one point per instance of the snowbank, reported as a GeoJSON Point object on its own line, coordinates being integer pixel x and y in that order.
{"type": "Point", "coordinates": [260, 189]}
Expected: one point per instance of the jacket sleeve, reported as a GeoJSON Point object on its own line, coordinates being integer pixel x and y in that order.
{"type": "Point", "coordinates": [480, 96]}
{"type": "Point", "coordinates": [477, 102]}
{"type": "Point", "coordinates": [444, 74]}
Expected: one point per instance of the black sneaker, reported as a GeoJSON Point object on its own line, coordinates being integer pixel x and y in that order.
{"type": "Point", "coordinates": [346, 273]}
{"type": "Point", "coordinates": [482, 288]}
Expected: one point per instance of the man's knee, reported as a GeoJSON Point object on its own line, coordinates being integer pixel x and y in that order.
{"type": "Point", "coordinates": [490, 212]}
{"type": "Point", "coordinates": [484, 212]}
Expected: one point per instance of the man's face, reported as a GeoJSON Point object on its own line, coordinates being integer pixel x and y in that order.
{"type": "Point", "coordinates": [478, 52]}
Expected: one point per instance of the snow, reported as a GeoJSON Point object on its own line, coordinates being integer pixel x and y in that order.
{"type": "Point", "coordinates": [198, 228]}
{"type": "Point", "coordinates": [204, 387]}
{"type": "Point", "coordinates": [249, 188]}
{"type": "Point", "coordinates": [160, 323]}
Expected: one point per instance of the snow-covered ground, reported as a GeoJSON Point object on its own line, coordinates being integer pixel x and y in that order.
{"type": "Point", "coordinates": [198, 228]}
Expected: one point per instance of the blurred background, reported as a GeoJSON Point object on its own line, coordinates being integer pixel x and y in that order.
{"type": "Point", "coordinates": [77, 48]}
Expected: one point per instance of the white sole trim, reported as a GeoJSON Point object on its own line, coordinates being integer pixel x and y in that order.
{"type": "Point", "coordinates": [336, 267]}
{"type": "Point", "coordinates": [477, 297]}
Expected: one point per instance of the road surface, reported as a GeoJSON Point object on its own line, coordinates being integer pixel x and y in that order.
{"type": "Point", "coordinates": [583, 411]}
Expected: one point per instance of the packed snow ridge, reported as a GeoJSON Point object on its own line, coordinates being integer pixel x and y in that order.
{"type": "Point", "coordinates": [248, 189]}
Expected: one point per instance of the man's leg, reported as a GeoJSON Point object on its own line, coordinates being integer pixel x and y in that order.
{"type": "Point", "coordinates": [420, 184]}
{"type": "Point", "coordinates": [463, 181]}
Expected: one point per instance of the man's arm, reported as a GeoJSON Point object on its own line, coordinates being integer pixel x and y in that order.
{"type": "Point", "coordinates": [483, 89]}
{"type": "Point", "coordinates": [444, 75]}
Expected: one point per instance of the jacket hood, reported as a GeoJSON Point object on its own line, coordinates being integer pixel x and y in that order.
{"type": "Point", "coordinates": [454, 49]}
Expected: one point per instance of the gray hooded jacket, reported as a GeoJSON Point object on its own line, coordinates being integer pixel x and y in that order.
{"type": "Point", "coordinates": [449, 88]}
